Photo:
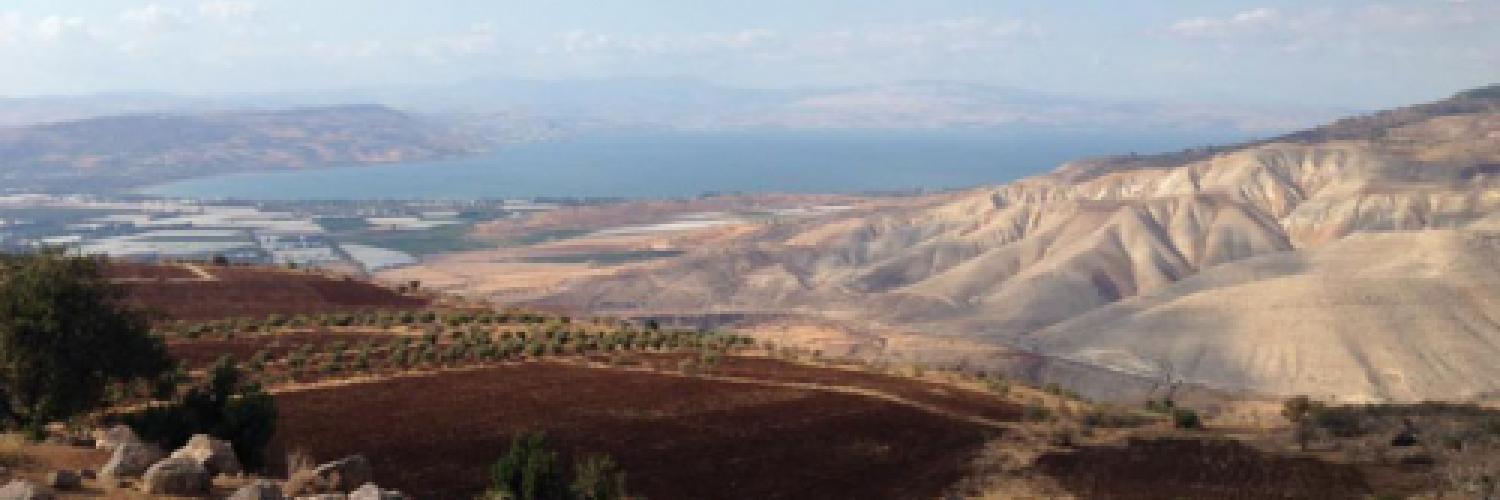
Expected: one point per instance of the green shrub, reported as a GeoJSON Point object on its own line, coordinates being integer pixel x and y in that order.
{"type": "Point", "coordinates": [225, 407]}
{"type": "Point", "coordinates": [532, 471]}
{"type": "Point", "coordinates": [1163, 406]}
{"type": "Point", "coordinates": [297, 359]}
{"type": "Point", "coordinates": [529, 471]}
{"type": "Point", "coordinates": [1036, 413]}
{"type": "Point", "coordinates": [1341, 422]}
{"type": "Point", "coordinates": [598, 477]}
{"type": "Point", "coordinates": [362, 361]}
{"type": "Point", "coordinates": [997, 384]}
{"type": "Point", "coordinates": [1184, 418]}
{"type": "Point", "coordinates": [399, 358]}
{"type": "Point", "coordinates": [1114, 418]}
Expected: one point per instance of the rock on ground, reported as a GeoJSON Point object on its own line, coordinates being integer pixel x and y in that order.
{"type": "Point", "coordinates": [344, 474]}
{"type": "Point", "coordinates": [259, 490]}
{"type": "Point", "coordinates": [372, 492]}
{"type": "Point", "coordinates": [216, 456]}
{"type": "Point", "coordinates": [130, 459]}
{"type": "Point", "coordinates": [176, 476]}
{"type": "Point", "coordinates": [108, 439]}
{"type": "Point", "coordinates": [64, 480]}
{"type": "Point", "coordinates": [25, 490]}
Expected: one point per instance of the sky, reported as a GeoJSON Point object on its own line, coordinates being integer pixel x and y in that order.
{"type": "Point", "coordinates": [1325, 53]}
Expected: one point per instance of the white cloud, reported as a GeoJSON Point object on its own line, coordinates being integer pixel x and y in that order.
{"type": "Point", "coordinates": [1423, 19]}
{"type": "Point", "coordinates": [153, 18]}
{"type": "Point", "coordinates": [226, 10]}
{"type": "Point", "coordinates": [581, 42]}
{"type": "Point", "coordinates": [479, 39]}
{"type": "Point", "coordinates": [945, 35]}
{"type": "Point", "coordinates": [1240, 23]}
{"type": "Point", "coordinates": [10, 27]}
{"type": "Point", "coordinates": [359, 49]}
{"type": "Point", "coordinates": [55, 29]}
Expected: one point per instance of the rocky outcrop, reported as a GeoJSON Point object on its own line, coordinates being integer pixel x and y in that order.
{"type": "Point", "coordinates": [215, 456]}
{"type": "Point", "coordinates": [178, 476]}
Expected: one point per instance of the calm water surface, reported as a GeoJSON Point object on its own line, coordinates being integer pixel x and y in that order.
{"type": "Point", "coordinates": [688, 164]}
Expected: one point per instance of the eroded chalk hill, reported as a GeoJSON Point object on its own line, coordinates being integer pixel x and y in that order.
{"type": "Point", "coordinates": [1352, 260]}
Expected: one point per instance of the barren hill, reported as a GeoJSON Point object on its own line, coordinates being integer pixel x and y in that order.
{"type": "Point", "coordinates": [1349, 260]}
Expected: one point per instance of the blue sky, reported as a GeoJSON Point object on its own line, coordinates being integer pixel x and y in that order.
{"type": "Point", "coordinates": [1328, 53]}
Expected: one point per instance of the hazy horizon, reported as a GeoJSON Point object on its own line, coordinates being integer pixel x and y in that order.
{"type": "Point", "coordinates": [1331, 54]}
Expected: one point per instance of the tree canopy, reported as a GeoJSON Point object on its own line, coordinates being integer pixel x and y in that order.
{"type": "Point", "coordinates": [65, 335]}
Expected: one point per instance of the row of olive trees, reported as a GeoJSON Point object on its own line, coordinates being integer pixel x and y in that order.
{"type": "Point", "coordinates": [393, 318]}
{"type": "Point", "coordinates": [403, 353]}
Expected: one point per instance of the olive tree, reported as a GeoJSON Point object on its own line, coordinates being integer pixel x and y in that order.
{"type": "Point", "coordinates": [65, 336]}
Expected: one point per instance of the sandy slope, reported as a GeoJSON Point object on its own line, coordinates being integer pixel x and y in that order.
{"type": "Point", "coordinates": [1399, 315]}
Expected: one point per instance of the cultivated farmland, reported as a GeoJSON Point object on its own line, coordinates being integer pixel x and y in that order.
{"type": "Point", "coordinates": [678, 437]}
{"type": "Point", "coordinates": [192, 292]}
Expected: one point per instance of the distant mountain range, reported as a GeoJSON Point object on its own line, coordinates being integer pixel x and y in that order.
{"type": "Point", "coordinates": [124, 139]}
{"type": "Point", "coordinates": [109, 152]}
{"type": "Point", "coordinates": [690, 104]}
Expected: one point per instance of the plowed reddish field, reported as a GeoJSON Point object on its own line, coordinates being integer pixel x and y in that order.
{"type": "Point", "coordinates": [252, 292]}
{"type": "Point", "coordinates": [1193, 468]}
{"type": "Point", "coordinates": [677, 438]}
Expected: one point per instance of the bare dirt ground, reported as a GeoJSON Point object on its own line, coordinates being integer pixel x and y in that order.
{"type": "Point", "coordinates": [678, 437]}
{"type": "Point", "coordinates": [1197, 468]}
{"type": "Point", "coordinates": [516, 273]}
{"type": "Point", "coordinates": [536, 254]}
{"type": "Point", "coordinates": [181, 292]}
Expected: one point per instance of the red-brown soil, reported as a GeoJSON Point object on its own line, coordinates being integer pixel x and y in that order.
{"type": "Point", "coordinates": [958, 399]}
{"type": "Point", "coordinates": [677, 437]}
{"type": "Point", "coordinates": [1198, 468]}
{"type": "Point", "coordinates": [257, 292]}
{"type": "Point", "coordinates": [147, 272]}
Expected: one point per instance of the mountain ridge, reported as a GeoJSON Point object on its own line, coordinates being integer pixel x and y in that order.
{"type": "Point", "coordinates": [116, 151]}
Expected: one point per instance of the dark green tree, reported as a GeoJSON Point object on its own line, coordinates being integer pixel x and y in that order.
{"type": "Point", "coordinates": [598, 477]}
{"type": "Point", "coordinates": [65, 336]}
{"type": "Point", "coordinates": [529, 471]}
{"type": "Point", "coordinates": [225, 406]}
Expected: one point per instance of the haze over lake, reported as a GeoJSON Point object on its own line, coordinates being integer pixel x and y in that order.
{"type": "Point", "coordinates": [684, 164]}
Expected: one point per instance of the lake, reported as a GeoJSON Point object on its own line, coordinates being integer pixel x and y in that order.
{"type": "Point", "coordinates": [684, 164]}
